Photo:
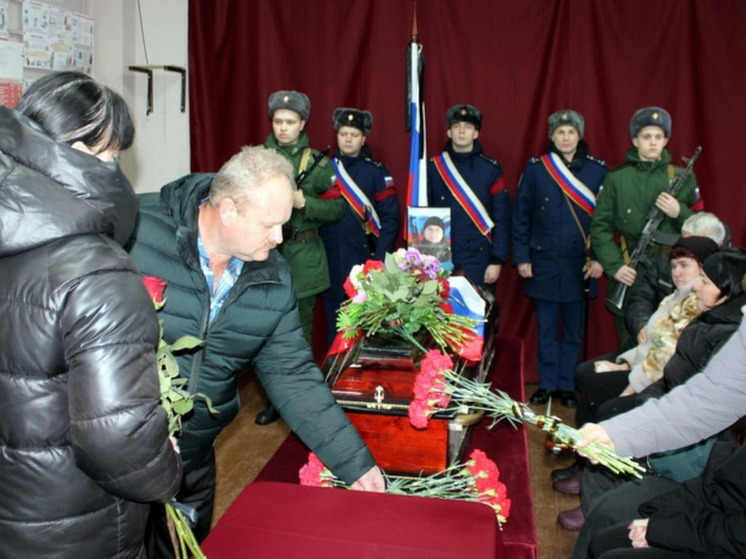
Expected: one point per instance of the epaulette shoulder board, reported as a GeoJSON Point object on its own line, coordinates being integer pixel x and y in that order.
{"type": "Point", "coordinates": [534, 160]}
{"type": "Point", "coordinates": [489, 159]}
{"type": "Point", "coordinates": [596, 160]}
{"type": "Point", "coordinates": [374, 162]}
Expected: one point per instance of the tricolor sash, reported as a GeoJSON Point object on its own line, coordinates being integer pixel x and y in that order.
{"type": "Point", "coordinates": [569, 183]}
{"type": "Point", "coordinates": [357, 199]}
{"type": "Point", "coordinates": [464, 194]}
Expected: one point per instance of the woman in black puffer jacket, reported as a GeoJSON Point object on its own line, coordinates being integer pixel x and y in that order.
{"type": "Point", "coordinates": [83, 439]}
{"type": "Point", "coordinates": [720, 296]}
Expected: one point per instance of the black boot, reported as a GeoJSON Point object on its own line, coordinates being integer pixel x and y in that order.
{"type": "Point", "coordinates": [267, 415]}
{"type": "Point", "coordinates": [565, 473]}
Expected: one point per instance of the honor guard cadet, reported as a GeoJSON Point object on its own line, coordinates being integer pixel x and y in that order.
{"type": "Point", "coordinates": [630, 192]}
{"type": "Point", "coordinates": [316, 202]}
{"type": "Point", "coordinates": [371, 219]}
{"type": "Point", "coordinates": [471, 184]}
{"type": "Point", "coordinates": [554, 204]}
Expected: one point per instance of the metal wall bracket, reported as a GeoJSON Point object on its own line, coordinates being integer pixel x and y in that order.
{"type": "Point", "coordinates": [169, 68]}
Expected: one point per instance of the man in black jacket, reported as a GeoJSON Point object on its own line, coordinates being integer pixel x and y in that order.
{"type": "Point", "coordinates": [213, 238]}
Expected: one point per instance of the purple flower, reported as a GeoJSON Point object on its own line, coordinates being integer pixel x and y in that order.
{"type": "Point", "coordinates": [413, 257]}
{"type": "Point", "coordinates": [431, 266]}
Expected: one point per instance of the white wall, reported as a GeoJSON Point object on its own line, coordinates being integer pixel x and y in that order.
{"type": "Point", "coordinates": [161, 150]}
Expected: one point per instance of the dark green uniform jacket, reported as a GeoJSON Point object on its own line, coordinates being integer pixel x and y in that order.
{"type": "Point", "coordinates": [258, 327]}
{"type": "Point", "coordinates": [628, 195]}
{"type": "Point", "coordinates": [324, 204]}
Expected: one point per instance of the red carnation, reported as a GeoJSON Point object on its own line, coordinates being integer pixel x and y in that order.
{"type": "Point", "coordinates": [312, 473]}
{"type": "Point", "coordinates": [419, 412]}
{"type": "Point", "coordinates": [472, 348]}
{"type": "Point", "coordinates": [155, 286]}
{"type": "Point", "coordinates": [373, 265]}
{"type": "Point", "coordinates": [445, 288]}
{"type": "Point", "coordinates": [349, 288]}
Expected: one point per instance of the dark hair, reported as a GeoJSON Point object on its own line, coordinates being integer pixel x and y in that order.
{"type": "Point", "coordinates": [72, 107]}
{"type": "Point", "coordinates": [726, 270]}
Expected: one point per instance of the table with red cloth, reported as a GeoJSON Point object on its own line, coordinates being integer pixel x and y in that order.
{"type": "Point", "coordinates": [504, 444]}
{"type": "Point", "coordinates": [289, 521]}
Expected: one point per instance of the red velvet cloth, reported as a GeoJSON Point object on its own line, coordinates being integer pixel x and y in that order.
{"type": "Point", "coordinates": [271, 519]}
{"type": "Point", "coordinates": [517, 61]}
{"type": "Point", "coordinates": [506, 445]}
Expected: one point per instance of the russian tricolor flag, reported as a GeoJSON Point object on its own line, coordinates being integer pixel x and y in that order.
{"type": "Point", "coordinates": [417, 182]}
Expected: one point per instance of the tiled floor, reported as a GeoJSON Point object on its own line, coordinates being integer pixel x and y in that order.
{"type": "Point", "coordinates": [243, 449]}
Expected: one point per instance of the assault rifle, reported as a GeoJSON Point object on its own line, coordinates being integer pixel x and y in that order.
{"type": "Point", "coordinates": [655, 217]}
{"type": "Point", "coordinates": [288, 231]}
{"type": "Point", "coordinates": [303, 175]}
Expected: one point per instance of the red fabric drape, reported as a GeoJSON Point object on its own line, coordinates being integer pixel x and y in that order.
{"type": "Point", "coordinates": [517, 61]}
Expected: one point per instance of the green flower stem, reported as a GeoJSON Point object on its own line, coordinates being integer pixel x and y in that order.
{"type": "Point", "coordinates": [186, 538]}
{"type": "Point", "coordinates": [499, 406]}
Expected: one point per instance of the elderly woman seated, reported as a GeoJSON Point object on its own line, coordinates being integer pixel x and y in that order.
{"type": "Point", "coordinates": [642, 365]}
{"type": "Point", "coordinates": [608, 499]}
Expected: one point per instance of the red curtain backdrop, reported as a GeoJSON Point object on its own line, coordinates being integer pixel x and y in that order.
{"type": "Point", "coordinates": [517, 61]}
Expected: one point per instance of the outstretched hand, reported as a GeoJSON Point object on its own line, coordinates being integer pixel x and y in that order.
{"type": "Point", "coordinates": [593, 433]}
{"type": "Point", "coordinates": [372, 480]}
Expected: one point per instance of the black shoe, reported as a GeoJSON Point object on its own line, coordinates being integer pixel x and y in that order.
{"type": "Point", "coordinates": [564, 473]}
{"type": "Point", "coordinates": [267, 415]}
{"type": "Point", "coordinates": [540, 397]}
{"type": "Point", "coordinates": [567, 398]}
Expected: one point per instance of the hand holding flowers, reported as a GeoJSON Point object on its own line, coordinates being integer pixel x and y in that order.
{"type": "Point", "coordinates": [439, 388]}
{"type": "Point", "coordinates": [177, 401]}
{"type": "Point", "coordinates": [478, 480]}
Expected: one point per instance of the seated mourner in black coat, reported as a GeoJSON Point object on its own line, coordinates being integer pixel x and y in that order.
{"type": "Point", "coordinates": [702, 338]}
{"type": "Point", "coordinates": [656, 283]}
{"type": "Point", "coordinates": [704, 517]}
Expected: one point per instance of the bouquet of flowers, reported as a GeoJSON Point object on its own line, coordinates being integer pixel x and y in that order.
{"type": "Point", "coordinates": [177, 402]}
{"type": "Point", "coordinates": [407, 295]}
{"type": "Point", "coordinates": [478, 479]}
{"type": "Point", "coordinates": [439, 387]}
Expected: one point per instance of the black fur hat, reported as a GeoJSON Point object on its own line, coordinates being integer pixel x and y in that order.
{"type": "Point", "coordinates": [346, 116]}
{"type": "Point", "coordinates": [464, 113]}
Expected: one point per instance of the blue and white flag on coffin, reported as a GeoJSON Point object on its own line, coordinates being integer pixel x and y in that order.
{"type": "Point", "coordinates": [466, 301]}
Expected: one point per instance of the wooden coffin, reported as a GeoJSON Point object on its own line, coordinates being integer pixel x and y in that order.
{"type": "Point", "coordinates": [373, 382]}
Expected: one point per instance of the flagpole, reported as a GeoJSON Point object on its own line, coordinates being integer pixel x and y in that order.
{"type": "Point", "coordinates": [416, 184]}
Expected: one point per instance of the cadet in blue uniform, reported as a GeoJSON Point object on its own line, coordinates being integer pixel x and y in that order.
{"type": "Point", "coordinates": [551, 222]}
{"type": "Point", "coordinates": [371, 220]}
{"type": "Point", "coordinates": [472, 185]}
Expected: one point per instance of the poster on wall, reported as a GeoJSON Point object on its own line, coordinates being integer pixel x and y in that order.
{"type": "Point", "coordinates": [83, 43]}
{"type": "Point", "coordinates": [4, 15]}
{"type": "Point", "coordinates": [10, 92]}
{"type": "Point", "coordinates": [55, 38]}
{"type": "Point", "coordinates": [11, 73]}
{"type": "Point", "coordinates": [61, 38]}
{"type": "Point", "coordinates": [36, 50]}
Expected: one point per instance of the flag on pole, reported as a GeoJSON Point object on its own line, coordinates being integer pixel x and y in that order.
{"type": "Point", "coordinates": [415, 122]}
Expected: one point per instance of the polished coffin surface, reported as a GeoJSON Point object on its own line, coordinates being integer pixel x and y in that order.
{"type": "Point", "coordinates": [374, 384]}
{"type": "Point", "coordinates": [271, 519]}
